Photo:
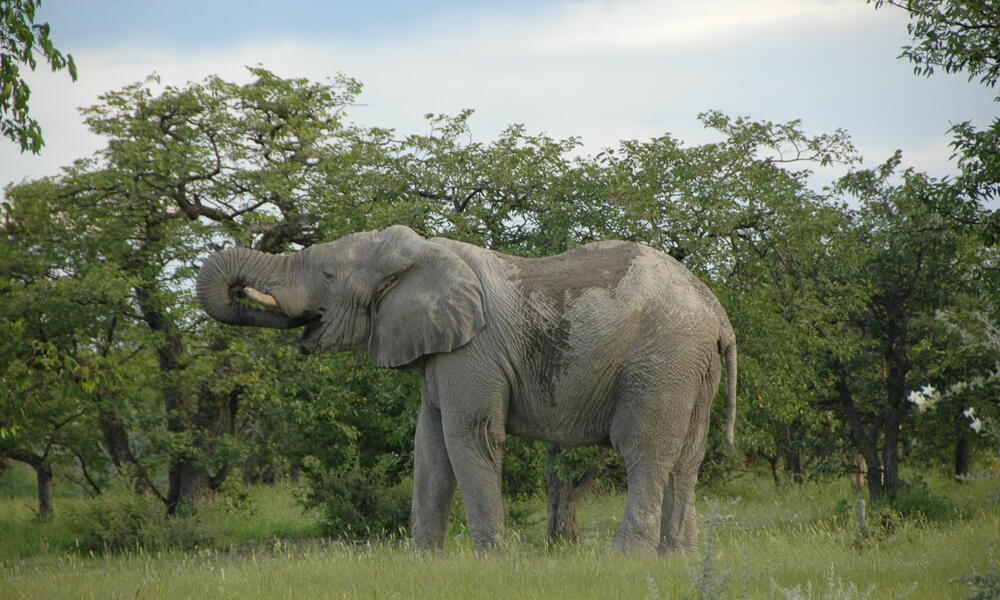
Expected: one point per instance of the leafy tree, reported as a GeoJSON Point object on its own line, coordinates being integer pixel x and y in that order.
{"type": "Point", "coordinates": [955, 35]}
{"type": "Point", "coordinates": [53, 347]}
{"type": "Point", "coordinates": [44, 421]}
{"type": "Point", "coordinates": [183, 171]}
{"type": "Point", "coordinates": [960, 36]}
{"type": "Point", "coordinates": [21, 41]}
{"type": "Point", "coordinates": [906, 263]}
{"type": "Point", "coordinates": [961, 377]}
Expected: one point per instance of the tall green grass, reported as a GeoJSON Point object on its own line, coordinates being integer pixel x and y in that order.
{"type": "Point", "coordinates": [792, 543]}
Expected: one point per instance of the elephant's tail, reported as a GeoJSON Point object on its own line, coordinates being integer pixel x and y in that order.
{"type": "Point", "coordinates": [730, 353]}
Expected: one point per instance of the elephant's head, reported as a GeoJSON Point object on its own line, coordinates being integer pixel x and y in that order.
{"type": "Point", "coordinates": [389, 292]}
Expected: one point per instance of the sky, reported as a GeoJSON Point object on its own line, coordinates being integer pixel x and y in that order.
{"type": "Point", "coordinates": [600, 70]}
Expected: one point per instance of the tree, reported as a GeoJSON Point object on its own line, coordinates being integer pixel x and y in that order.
{"type": "Point", "coordinates": [182, 171]}
{"type": "Point", "coordinates": [21, 40]}
{"type": "Point", "coordinates": [906, 263]}
{"type": "Point", "coordinates": [955, 35]}
{"type": "Point", "coordinates": [44, 419]}
{"type": "Point", "coordinates": [960, 36]}
{"type": "Point", "coordinates": [960, 382]}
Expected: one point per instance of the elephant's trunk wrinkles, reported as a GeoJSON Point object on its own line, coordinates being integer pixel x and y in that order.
{"type": "Point", "coordinates": [234, 269]}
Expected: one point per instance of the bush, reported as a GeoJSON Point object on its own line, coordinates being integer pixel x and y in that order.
{"type": "Point", "coordinates": [916, 500]}
{"type": "Point", "coordinates": [236, 499]}
{"type": "Point", "coordinates": [523, 468]}
{"type": "Point", "coordinates": [358, 502]}
{"type": "Point", "coordinates": [984, 586]}
{"type": "Point", "coordinates": [120, 519]}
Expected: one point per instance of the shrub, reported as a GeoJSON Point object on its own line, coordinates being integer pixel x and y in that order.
{"type": "Point", "coordinates": [357, 501]}
{"type": "Point", "coordinates": [984, 586]}
{"type": "Point", "coordinates": [710, 582]}
{"type": "Point", "coordinates": [120, 519]}
{"type": "Point", "coordinates": [236, 499]}
{"type": "Point", "coordinates": [916, 500]}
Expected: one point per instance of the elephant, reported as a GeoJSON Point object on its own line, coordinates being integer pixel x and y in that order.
{"type": "Point", "coordinates": [610, 343]}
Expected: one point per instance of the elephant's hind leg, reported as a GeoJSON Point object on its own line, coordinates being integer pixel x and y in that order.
{"type": "Point", "coordinates": [639, 530]}
{"type": "Point", "coordinates": [433, 483]}
{"type": "Point", "coordinates": [649, 432]}
{"type": "Point", "coordinates": [679, 526]}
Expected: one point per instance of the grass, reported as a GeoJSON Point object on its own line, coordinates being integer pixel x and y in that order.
{"type": "Point", "coordinates": [768, 543]}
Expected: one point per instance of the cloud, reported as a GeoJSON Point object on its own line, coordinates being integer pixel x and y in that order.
{"type": "Point", "coordinates": [651, 25]}
{"type": "Point", "coordinates": [604, 71]}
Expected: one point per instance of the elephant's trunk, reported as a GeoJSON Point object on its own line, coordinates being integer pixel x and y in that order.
{"type": "Point", "coordinates": [232, 270]}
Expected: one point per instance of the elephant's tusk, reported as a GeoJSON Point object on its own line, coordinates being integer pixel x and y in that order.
{"type": "Point", "coordinates": [265, 299]}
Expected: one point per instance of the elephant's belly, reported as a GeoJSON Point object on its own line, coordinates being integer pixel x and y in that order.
{"type": "Point", "coordinates": [565, 389]}
{"type": "Point", "coordinates": [567, 419]}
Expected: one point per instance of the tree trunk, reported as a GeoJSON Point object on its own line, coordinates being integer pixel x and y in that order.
{"type": "Point", "coordinates": [897, 366]}
{"type": "Point", "coordinates": [890, 457]}
{"type": "Point", "coordinates": [961, 449]}
{"type": "Point", "coordinates": [43, 476]}
{"type": "Point", "coordinates": [772, 461]}
{"type": "Point", "coordinates": [118, 447]}
{"type": "Point", "coordinates": [866, 443]}
{"type": "Point", "coordinates": [791, 456]}
{"type": "Point", "coordinates": [190, 485]}
{"type": "Point", "coordinates": [206, 419]}
{"type": "Point", "coordinates": [199, 416]}
{"type": "Point", "coordinates": [564, 498]}
{"type": "Point", "coordinates": [859, 471]}
{"type": "Point", "coordinates": [43, 472]}
{"type": "Point", "coordinates": [792, 460]}
{"type": "Point", "coordinates": [874, 475]}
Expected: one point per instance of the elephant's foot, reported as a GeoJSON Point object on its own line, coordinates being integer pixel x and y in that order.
{"type": "Point", "coordinates": [489, 542]}
{"type": "Point", "coordinates": [675, 547]}
{"type": "Point", "coordinates": [632, 541]}
{"type": "Point", "coordinates": [425, 546]}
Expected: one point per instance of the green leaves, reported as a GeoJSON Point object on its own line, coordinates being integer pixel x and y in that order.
{"type": "Point", "coordinates": [954, 35]}
{"type": "Point", "coordinates": [20, 40]}
{"type": "Point", "coordinates": [961, 36]}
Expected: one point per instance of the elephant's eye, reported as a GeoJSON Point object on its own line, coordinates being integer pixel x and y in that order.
{"type": "Point", "coordinates": [328, 275]}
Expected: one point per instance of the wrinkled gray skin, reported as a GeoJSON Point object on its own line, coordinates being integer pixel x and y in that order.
{"type": "Point", "coordinates": [610, 343]}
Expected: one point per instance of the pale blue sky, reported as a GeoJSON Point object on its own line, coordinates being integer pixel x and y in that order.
{"type": "Point", "coordinates": [601, 70]}
{"type": "Point", "coordinates": [215, 23]}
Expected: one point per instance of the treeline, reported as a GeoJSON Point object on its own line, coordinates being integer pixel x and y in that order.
{"type": "Point", "coordinates": [865, 310]}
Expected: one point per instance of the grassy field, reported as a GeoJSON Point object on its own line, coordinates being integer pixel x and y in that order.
{"type": "Point", "coordinates": [799, 542]}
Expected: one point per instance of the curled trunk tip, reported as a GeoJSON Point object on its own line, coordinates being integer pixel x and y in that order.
{"type": "Point", "coordinates": [234, 269]}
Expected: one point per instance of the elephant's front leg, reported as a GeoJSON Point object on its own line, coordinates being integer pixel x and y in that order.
{"type": "Point", "coordinates": [475, 447]}
{"type": "Point", "coordinates": [433, 482]}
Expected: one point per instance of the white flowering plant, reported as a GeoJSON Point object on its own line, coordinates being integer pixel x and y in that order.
{"type": "Point", "coordinates": [974, 422]}
{"type": "Point", "coordinates": [925, 398]}
{"type": "Point", "coordinates": [928, 397]}
{"type": "Point", "coordinates": [980, 334]}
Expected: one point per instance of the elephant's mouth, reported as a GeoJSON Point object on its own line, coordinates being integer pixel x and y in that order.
{"type": "Point", "coordinates": [309, 343]}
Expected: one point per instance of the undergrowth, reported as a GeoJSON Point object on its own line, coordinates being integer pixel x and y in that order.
{"type": "Point", "coordinates": [757, 542]}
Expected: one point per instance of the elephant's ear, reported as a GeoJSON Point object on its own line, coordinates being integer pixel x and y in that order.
{"type": "Point", "coordinates": [428, 301]}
